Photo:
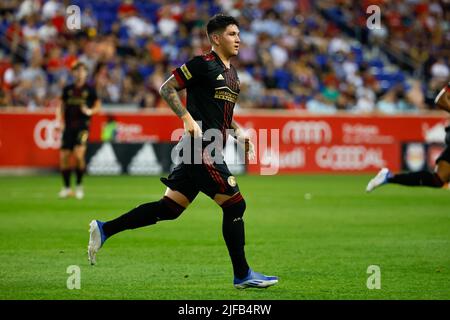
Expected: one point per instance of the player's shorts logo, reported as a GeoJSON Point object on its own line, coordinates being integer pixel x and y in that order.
{"type": "Point", "coordinates": [232, 181]}
{"type": "Point", "coordinates": [45, 134]}
{"type": "Point", "coordinates": [83, 137]}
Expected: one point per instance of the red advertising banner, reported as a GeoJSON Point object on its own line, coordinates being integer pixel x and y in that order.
{"type": "Point", "coordinates": [304, 143]}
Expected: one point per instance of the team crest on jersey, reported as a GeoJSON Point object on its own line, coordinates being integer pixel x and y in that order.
{"type": "Point", "coordinates": [220, 77]}
{"type": "Point", "coordinates": [232, 181]}
{"type": "Point", "coordinates": [186, 72]}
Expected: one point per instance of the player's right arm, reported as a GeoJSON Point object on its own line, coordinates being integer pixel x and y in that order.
{"type": "Point", "coordinates": [442, 100]}
{"type": "Point", "coordinates": [169, 92]}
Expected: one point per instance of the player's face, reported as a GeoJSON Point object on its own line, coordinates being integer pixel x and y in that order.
{"type": "Point", "coordinates": [229, 40]}
{"type": "Point", "coordinates": [80, 75]}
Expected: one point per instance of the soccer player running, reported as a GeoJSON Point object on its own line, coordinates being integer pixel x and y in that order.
{"type": "Point", "coordinates": [212, 88]}
{"type": "Point", "coordinates": [79, 103]}
{"type": "Point", "coordinates": [436, 179]}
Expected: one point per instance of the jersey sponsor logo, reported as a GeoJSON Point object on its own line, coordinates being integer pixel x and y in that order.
{"type": "Point", "coordinates": [225, 93]}
{"type": "Point", "coordinates": [104, 162]}
{"type": "Point", "coordinates": [220, 77]}
{"type": "Point", "coordinates": [45, 134]}
{"type": "Point", "coordinates": [298, 132]}
{"type": "Point", "coordinates": [145, 162]}
{"type": "Point", "coordinates": [77, 101]}
{"type": "Point", "coordinates": [349, 157]}
{"type": "Point", "coordinates": [231, 181]}
{"type": "Point", "coordinates": [186, 72]}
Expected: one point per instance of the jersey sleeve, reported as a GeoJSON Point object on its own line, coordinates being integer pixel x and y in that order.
{"type": "Point", "coordinates": [191, 72]}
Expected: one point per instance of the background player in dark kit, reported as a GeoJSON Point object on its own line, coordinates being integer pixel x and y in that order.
{"type": "Point", "coordinates": [212, 89]}
{"type": "Point", "coordinates": [441, 174]}
{"type": "Point", "coordinates": [78, 103]}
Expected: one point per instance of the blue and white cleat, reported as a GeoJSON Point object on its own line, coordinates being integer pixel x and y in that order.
{"type": "Point", "coordinates": [380, 179]}
{"type": "Point", "coordinates": [96, 239]}
{"type": "Point", "coordinates": [255, 280]}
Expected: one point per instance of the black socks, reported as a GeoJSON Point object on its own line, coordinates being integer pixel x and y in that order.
{"type": "Point", "coordinates": [66, 177]}
{"type": "Point", "coordinates": [421, 178]}
{"type": "Point", "coordinates": [79, 174]}
{"type": "Point", "coordinates": [234, 235]}
{"type": "Point", "coordinates": [144, 215]}
{"type": "Point", "coordinates": [66, 173]}
{"type": "Point", "coordinates": [167, 209]}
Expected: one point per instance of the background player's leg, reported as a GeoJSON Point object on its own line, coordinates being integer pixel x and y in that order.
{"type": "Point", "coordinates": [421, 178]}
{"type": "Point", "coordinates": [233, 231]}
{"type": "Point", "coordinates": [169, 207]}
{"type": "Point", "coordinates": [64, 164]}
{"type": "Point", "coordinates": [80, 168]}
{"type": "Point", "coordinates": [80, 152]}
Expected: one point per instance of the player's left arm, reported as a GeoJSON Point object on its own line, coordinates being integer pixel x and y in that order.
{"type": "Point", "coordinates": [95, 107]}
{"type": "Point", "coordinates": [242, 138]}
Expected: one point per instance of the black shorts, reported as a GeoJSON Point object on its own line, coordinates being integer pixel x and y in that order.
{"type": "Point", "coordinates": [211, 179]}
{"type": "Point", "coordinates": [445, 155]}
{"type": "Point", "coordinates": [74, 137]}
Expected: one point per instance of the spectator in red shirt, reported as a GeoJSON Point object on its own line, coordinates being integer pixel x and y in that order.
{"type": "Point", "coordinates": [126, 9]}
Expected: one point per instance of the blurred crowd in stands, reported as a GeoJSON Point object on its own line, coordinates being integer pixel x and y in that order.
{"type": "Point", "coordinates": [295, 54]}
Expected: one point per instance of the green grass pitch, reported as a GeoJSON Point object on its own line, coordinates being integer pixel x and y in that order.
{"type": "Point", "coordinates": [320, 245]}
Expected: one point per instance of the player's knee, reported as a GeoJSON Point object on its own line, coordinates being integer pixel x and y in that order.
{"type": "Point", "coordinates": [170, 210]}
{"type": "Point", "coordinates": [234, 207]}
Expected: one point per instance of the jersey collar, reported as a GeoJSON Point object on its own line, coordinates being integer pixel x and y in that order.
{"type": "Point", "coordinates": [220, 60]}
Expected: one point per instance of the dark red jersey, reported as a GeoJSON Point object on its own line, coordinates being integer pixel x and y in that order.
{"type": "Point", "coordinates": [73, 98]}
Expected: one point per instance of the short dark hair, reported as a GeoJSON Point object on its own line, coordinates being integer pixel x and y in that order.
{"type": "Point", "coordinates": [78, 64]}
{"type": "Point", "coordinates": [219, 22]}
